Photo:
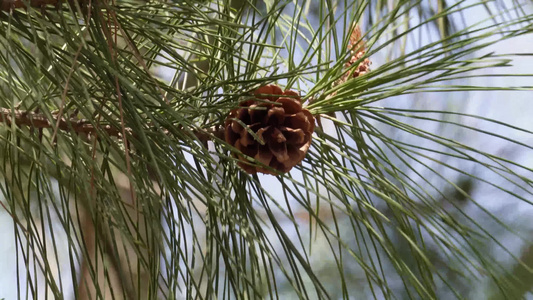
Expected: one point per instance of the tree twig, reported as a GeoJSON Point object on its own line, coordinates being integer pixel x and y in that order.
{"type": "Point", "coordinates": [84, 126]}
{"type": "Point", "coordinates": [37, 120]}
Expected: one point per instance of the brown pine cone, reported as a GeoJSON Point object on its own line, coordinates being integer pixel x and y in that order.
{"type": "Point", "coordinates": [282, 128]}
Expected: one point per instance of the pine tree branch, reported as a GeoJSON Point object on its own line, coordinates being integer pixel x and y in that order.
{"type": "Point", "coordinates": [7, 5]}
{"type": "Point", "coordinates": [84, 126]}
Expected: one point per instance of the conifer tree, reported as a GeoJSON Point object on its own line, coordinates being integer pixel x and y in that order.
{"type": "Point", "coordinates": [265, 149]}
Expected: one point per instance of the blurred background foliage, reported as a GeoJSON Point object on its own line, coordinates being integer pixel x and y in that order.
{"type": "Point", "coordinates": [417, 185]}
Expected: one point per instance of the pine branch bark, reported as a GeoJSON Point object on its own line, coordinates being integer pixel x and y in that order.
{"type": "Point", "coordinates": [82, 126]}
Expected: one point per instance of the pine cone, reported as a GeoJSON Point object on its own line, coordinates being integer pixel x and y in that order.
{"type": "Point", "coordinates": [282, 128]}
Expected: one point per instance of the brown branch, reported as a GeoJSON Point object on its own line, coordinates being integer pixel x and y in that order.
{"type": "Point", "coordinates": [83, 126]}
{"type": "Point", "coordinates": [36, 120]}
{"type": "Point", "coordinates": [6, 5]}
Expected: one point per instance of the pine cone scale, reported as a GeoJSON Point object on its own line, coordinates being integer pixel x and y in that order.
{"type": "Point", "coordinates": [258, 113]}
{"type": "Point", "coordinates": [247, 139]}
{"type": "Point", "coordinates": [264, 155]}
{"type": "Point", "coordinates": [236, 127]}
{"type": "Point", "coordinates": [295, 153]}
{"type": "Point", "coordinates": [277, 136]}
{"type": "Point", "coordinates": [290, 105]}
{"type": "Point", "coordinates": [293, 136]}
{"type": "Point", "coordinates": [276, 116]}
{"type": "Point", "coordinates": [299, 120]}
{"type": "Point", "coordinates": [279, 150]}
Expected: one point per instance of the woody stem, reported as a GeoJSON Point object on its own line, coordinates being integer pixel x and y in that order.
{"type": "Point", "coordinates": [82, 126]}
